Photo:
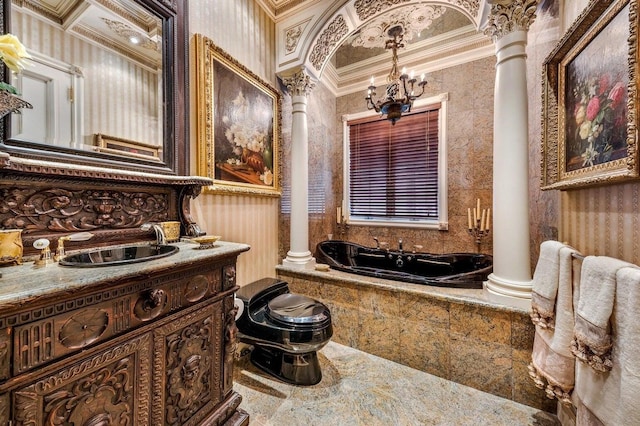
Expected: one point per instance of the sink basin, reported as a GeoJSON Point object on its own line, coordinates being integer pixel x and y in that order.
{"type": "Point", "coordinates": [118, 255]}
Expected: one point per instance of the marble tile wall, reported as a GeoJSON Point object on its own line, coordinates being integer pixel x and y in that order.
{"type": "Point", "coordinates": [470, 158]}
{"type": "Point", "coordinates": [458, 338]}
{"type": "Point", "coordinates": [469, 153]}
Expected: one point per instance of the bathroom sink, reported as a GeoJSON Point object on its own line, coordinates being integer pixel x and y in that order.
{"type": "Point", "coordinates": [118, 255]}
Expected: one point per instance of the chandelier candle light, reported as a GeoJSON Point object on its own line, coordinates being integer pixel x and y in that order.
{"type": "Point", "coordinates": [400, 92]}
{"type": "Point", "coordinates": [343, 227]}
{"type": "Point", "coordinates": [479, 223]}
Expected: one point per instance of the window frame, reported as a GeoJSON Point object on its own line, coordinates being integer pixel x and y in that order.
{"type": "Point", "coordinates": [442, 222]}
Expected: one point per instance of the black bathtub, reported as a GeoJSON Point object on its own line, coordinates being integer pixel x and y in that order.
{"type": "Point", "coordinates": [459, 270]}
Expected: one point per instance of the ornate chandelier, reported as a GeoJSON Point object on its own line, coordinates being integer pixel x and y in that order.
{"type": "Point", "coordinates": [400, 87]}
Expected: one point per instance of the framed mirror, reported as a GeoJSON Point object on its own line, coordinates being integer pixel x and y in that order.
{"type": "Point", "coordinates": [107, 82]}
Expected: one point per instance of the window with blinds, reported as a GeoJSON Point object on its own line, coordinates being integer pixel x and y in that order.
{"type": "Point", "coordinates": [393, 169]}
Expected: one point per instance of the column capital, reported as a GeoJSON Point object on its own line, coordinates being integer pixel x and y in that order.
{"type": "Point", "coordinates": [508, 16]}
{"type": "Point", "coordinates": [299, 83]}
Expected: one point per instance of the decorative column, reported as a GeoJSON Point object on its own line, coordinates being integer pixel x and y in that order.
{"type": "Point", "coordinates": [511, 280]}
{"type": "Point", "coordinates": [299, 85]}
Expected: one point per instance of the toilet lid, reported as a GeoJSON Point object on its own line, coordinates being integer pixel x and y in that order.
{"type": "Point", "coordinates": [296, 308]}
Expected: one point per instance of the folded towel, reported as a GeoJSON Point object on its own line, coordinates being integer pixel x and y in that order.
{"type": "Point", "coordinates": [592, 331]}
{"type": "Point", "coordinates": [551, 359]}
{"type": "Point", "coordinates": [611, 398]}
{"type": "Point", "coordinates": [545, 284]}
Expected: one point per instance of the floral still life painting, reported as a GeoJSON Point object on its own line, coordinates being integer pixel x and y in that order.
{"type": "Point", "coordinates": [596, 100]}
{"type": "Point", "coordinates": [238, 124]}
{"type": "Point", "coordinates": [589, 99]}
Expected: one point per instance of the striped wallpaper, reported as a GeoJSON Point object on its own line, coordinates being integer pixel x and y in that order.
{"type": "Point", "coordinates": [121, 98]}
{"type": "Point", "coordinates": [246, 32]}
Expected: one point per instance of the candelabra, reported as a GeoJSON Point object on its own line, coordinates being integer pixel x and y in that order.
{"type": "Point", "coordinates": [479, 221]}
{"type": "Point", "coordinates": [341, 223]}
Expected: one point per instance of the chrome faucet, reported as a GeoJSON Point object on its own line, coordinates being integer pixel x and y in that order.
{"type": "Point", "coordinates": [400, 245]}
{"type": "Point", "coordinates": [160, 237]}
{"type": "Point", "coordinates": [377, 242]}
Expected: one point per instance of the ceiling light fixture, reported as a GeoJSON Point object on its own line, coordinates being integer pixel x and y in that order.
{"type": "Point", "coordinates": [400, 86]}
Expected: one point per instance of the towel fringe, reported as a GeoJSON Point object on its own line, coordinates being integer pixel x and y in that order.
{"type": "Point", "coordinates": [598, 361]}
{"type": "Point", "coordinates": [542, 319]}
{"type": "Point", "coordinates": [552, 391]}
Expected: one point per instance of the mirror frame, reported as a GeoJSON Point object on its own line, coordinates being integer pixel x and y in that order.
{"type": "Point", "coordinates": [174, 16]}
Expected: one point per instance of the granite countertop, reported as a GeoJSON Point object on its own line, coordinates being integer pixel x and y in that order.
{"type": "Point", "coordinates": [26, 283]}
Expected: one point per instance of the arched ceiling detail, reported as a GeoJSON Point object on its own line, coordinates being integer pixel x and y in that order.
{"type": "Point", "coordinates": [308, 39]}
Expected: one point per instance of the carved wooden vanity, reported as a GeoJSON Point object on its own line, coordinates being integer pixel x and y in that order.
{"type": "Point", "coordinates": [146, 344]}
{"type": "Point", "coordinates": [149, 343]}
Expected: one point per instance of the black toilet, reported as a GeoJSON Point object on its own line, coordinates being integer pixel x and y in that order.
{"type": "Point", "coordinates": [285, 329]}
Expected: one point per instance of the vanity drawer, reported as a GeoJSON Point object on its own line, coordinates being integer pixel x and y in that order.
{"type": "Point", "coordinates": [95, 318]}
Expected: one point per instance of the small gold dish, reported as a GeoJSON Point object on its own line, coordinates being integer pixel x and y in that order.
{"type": "Point", "coordinates": [206, 241]}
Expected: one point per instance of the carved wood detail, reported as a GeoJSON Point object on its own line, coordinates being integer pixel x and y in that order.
{"type": "Point", "coordinates": [4, 409]}
{"type": "Point", "coordinates": [184, 350]}
{"type": "Point", "coordinates": [229, 277]}
{"type": "Point", "coordinates": [230, 342]}
{"type": "Point", "coordinates": [94, 392]}
{"type": "Point", "coordinates": [188, 370]}
{"type": "Point", "coordinates": [64, 210]}
{"type": "Point", "coordinates": [5, 353]}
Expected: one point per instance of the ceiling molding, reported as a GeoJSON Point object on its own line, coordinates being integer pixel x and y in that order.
{"type": "Point", "coordinates": [434, 54]}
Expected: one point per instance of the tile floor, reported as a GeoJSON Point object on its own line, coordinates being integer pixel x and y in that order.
{"type": "Point", "coordinates": [361, 389]}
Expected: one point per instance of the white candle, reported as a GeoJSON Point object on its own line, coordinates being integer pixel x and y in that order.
{"type": "Point", "coordinates": [412, 74]}
{"type": "Point", "coordinates": [469, 217]}
{"type": "Point", "coordinates": [475, 217]}
{"type": "Point", "coordinates": [404, 70]}
{"type": "Point", "coordinates": [482, 220]}
{"type": "Point", "coordinates": [372, 80]}
{"type": "Point", "coordinates": [488, 218]}
{"type": "Point", "coordinates": [478, 206]}
{"type": "Point", "coordinates": [422, 77]}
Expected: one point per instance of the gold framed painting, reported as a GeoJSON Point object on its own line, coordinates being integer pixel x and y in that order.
{"type": "Point", "coordinates": [238, 124]}
{"type": "Point", "coordinates": [589, 117]}
{"type": "Point", "coordinates": [128, 148]}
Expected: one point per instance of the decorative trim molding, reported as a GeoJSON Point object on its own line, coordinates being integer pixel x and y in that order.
{"type": "Point", "coordinates": [412, 18]}
{"type": "Point", "coordinates": [292, 37]}
{"type": "Point", "coordinates": [506, 18]}
{"type": "Point", "coordinates": [329, 38]}
{"type": "Point", "coordinates": [367, 8]}
{"type": "Point", "coordinates": [299, 84]}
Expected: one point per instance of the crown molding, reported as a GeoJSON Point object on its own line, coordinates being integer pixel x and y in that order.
{"type": "Point", "coordinates": [434, 54]}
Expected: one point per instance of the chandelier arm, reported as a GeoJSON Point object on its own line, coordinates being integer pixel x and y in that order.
{"type": "Point", "coordinates": [398, 97]}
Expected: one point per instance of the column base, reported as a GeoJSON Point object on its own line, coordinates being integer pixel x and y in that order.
{"type": "Point", "coordinates": [299, 259]}
{"type": "Point", "coordinates": [511, 293]}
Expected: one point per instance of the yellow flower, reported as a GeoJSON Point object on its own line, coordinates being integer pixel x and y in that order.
{"type": "Point", "coordinates": [585, 128]}
{"type": "Point", "coordinates": [12, 52]}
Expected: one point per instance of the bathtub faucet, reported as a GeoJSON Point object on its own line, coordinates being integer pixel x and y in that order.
{"type": "Point", "coordinates": [377, 242]}
{"type": "Point", "coordinates": [400, 245]}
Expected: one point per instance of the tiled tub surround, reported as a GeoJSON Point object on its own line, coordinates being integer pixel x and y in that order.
{"type": "Point", "coordinates": [456, 334]}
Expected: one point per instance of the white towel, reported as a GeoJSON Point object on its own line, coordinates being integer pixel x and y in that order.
{"type": "Point", "coordinates": [611, 398]}
{"type": "Point", "coordinates": [592, 331]}
{"type": "Point", "coordinates": [552, 365]}
{"type": "Point", "coordinates": [545, 284]}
